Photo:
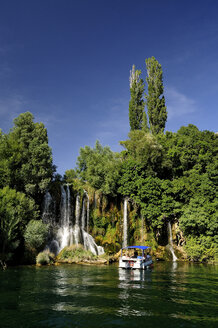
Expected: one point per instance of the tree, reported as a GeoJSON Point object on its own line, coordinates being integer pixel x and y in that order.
{"type": "Point", "coordinates": [100, 167]}
{"type": "Point", "coordinates": [26, 157]}
{"type": "Point", "coordinates": [70, 175]}
{"type": "Point", "coordinates": [9, 159]}
{"type": "Point", "coordinates": [136, 103]}
{"type": "Point", "coordinates": [16, 209]}
{"type": "Point", "coordinates": [190, 148]}
{"type": "Point", "coordinates": [199, 223]}
{"type": "Point", "coordinates": [144, 150]}
{"type": "Point", "coordinates": [145, 127]}
{"type": "Point", "coordinates": [155, 100]}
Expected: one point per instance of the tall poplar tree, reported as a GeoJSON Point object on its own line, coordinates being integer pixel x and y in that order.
{"type": "Point", "coordinates": [136, 103]}
{"type": "Point", "coordinates": [155, 100]}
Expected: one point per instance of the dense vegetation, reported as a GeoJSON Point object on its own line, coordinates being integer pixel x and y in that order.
{"type": "Point", "coordinates": [167, 177]}
{"type": "Point", "coordinates": [26, 170]}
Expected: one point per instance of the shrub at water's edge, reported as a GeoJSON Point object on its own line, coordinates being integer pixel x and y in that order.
{"type": "Point", "coordinates": [44, 258]}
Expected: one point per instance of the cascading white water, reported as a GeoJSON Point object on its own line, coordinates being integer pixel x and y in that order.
{"type": "Point", "coordinates": [64, 232]}
{"type": "Point", "coordinates": [64, 220]}
{"type": "Point", "coordinates": [46, 214]}
{"type": "Point", "coordinates": [171, 242]}
{"type": "Point", "coordinates": [68, 205]}
{"type": "Point", "coordinates": [125, 222]}
{"type": "Point", "coordinates": [87, 218]}
{"type": "Point", "coordinates": [77, 209]}
{"type": "Point", "coordinates": [76, 229]}
{"type": "Point", "coordinates": [79, 233]}
{"type": "Point", "coordinates": [68, 234]}
{"type": "Point", "coordinates": [89, 244]}
{"type": "Point", "coordinates": [83, 218]}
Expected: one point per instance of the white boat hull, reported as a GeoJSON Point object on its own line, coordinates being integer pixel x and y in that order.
{"type": "Point", "coordinates": [134, 263]}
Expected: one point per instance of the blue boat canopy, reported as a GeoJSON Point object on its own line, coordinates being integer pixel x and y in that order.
{"type": "Point", "coordinates": [140, 247]}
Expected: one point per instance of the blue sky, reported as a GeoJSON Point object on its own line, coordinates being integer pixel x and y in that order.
{"type": "Point", "coordinates": [68, 63]}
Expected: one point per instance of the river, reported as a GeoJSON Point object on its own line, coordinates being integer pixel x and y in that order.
{"type": "Point", "coordinates": [171, 295]}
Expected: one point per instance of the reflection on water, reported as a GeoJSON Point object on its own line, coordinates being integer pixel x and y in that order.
{"type": "Point", "coordinates": [171, 295]}
{"type": "Point", "coordinates": [68, 287]}
{"type": "Point", "coordinates": [130, 280]}
{"type": "Point", "coordinates": [135, 275]}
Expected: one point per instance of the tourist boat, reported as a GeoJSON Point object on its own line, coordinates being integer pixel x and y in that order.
{"type": "Point", "coordinates": [143, 261]}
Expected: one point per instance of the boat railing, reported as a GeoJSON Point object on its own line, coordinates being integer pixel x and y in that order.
{"type": "Point", "coordinates": [129, 258]}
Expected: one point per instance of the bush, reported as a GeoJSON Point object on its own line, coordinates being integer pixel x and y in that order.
{"type": "Point", "coordinates": [45, 257]}
{"type": "Point", "coordinates": [35, 234]}
{"type": "Point", "coordinates": [75, 253]}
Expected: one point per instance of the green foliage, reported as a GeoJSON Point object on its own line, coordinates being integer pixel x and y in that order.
{"type": "Point", "coordinates": [26, 167]}
{"type": "Point", "coordinates": [139, 178]}
{"type": "Point", "coordinates": [35, 234]}
{"type": "Point", "coordinates": [16, 210]}
{"type": "Point", "coordinates": [201, 248]}
{"type": "Point", "coordinates": [144, 149]}
{"type": "Point", "coordinates": [145, 122]}
{"type": "Point", "coordinates": [151, 195]}
{"type": "Point", "coordinates": [100, 167]}
{"type": "Point", "coordinates": [111, 241]}
{"type": "Point", "coordinates": [136, 104]}
{"type": "Point", "coordinates": [200, 217]}
{"type": "Point", "coordinates": [155, 100]}
{"type": "Point", "coordinates": [99, 221]}
{"type": "Point", "coordinates": [162, 198]}
{"type": "Point", "coordinates": [190, 148]}
{"type": "Point", "coordinates": [70, 176]}
{"type": "Point", "coordinates": [75, 253]}
{"type": "Point", "coordinates": [26, 160]}
{"type": "Point", "coordinates": [45, 257]}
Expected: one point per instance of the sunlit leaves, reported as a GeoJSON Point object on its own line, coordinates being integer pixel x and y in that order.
{"type": "Point", "coordinates": [100, 167]}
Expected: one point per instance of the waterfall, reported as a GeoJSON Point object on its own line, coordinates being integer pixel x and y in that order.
{"type": "Point", "coordinates": [76, 228]}
{"type": "Point", "coordinates": [68, 205]}
{"type": "Point", "coordinates": [171, 242]}
{"type": "Point", "coordinates": [83, 214]}
{"type": "Point", "coordinates": [125, 222]}
{"type": "Point", "coordinates": [90, 244]}
{"type": "Point", "coordinates": [64, 219]}
{"type": "Point", "coordinates": [77, 209]}
{"type": "Point", "coordinates": [87, 219]}
{"type": "Point", "coordinates": [46, 214]}
{"type": "Point", "coordinates": [64, 234]}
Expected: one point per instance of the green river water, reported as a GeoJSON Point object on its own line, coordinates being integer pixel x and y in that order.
{"type": "Point", "coordinates": [171, 295]}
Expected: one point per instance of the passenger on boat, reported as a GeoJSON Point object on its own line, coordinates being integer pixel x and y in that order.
{"type": "Point", "coordinates": [135, 254]}
{"type": "Point", "coordinates": [148, 256]}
